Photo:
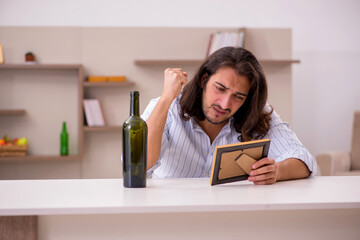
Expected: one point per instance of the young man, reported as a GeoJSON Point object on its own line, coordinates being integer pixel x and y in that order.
{"type": "Point", "coordinates": [224, 103]}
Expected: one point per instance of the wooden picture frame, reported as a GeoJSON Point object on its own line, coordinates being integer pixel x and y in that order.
{"type": "Point", "coordinates": [233, 162]}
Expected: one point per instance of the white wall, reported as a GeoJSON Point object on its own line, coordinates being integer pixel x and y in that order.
{"type": "Point", "coordinates": [326, 37]}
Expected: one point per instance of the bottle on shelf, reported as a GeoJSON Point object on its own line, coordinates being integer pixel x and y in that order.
{"type": "Point", "coordinates": [64, 143]}
{"type": "Point", "coordinates": [134, 146]}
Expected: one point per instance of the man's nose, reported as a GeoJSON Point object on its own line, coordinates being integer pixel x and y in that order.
{"type": "Point", "coordinates": [225, 102]}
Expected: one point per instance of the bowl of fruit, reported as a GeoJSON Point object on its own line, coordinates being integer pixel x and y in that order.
{"type": "Point", "coordinates": [16, 147]}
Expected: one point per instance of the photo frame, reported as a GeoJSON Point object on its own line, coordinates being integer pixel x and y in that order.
{"type": "Point", "coordinates": [233, 162]}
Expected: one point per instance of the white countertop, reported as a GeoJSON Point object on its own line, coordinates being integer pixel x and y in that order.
{"type": "Point", "coordinates": [103, 196]}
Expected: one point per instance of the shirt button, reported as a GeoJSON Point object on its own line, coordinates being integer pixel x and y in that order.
{"type": "Point", "coordinates": [207, 174]}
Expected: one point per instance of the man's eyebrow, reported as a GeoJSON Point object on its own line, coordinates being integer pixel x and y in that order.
{"type": "Point", "coordinates": [239, 93]}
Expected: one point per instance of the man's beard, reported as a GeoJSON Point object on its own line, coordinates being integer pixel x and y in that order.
{"type": "Point", "coordinates": [211, 120]}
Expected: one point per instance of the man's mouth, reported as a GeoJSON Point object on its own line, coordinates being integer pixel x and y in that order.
{"type": "Point", "coordinates": [219, 111]}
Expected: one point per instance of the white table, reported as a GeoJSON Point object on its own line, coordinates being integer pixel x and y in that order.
{"type": "Point", "coordinates": [315, 208]}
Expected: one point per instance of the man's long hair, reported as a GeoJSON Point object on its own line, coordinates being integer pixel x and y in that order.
{"type": "Point", "coordinates": [251, 120]}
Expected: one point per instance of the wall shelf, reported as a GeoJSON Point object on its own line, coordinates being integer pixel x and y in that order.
{"type": "Point", "coordinates": [8, 112]}
{"type": "Point", "coordinates": [108, 84]}
{"type": "Point", "coordinates": [78, 71]}
{"type": "Point", "coordinates": [102, 129]}
{"type": "Point", "coordinates": [40, 66]}
{"type": "Point", "coordinates": [279, 61]}
{"type": "Point", "coordinates": [41, 158]}
{"type": "Point", "coordinates": [150, 62]}
{"type": "Point", "coordinates": [144, 62]}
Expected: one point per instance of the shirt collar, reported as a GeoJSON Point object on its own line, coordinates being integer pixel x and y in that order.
{"type": "Point", "coordinates": [194, 125]}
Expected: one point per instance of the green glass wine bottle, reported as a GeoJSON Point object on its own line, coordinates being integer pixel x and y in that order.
{"type": "Point", "coordinates": [134, 146]}
{"type": "Point", "coordinates": [64, 143]}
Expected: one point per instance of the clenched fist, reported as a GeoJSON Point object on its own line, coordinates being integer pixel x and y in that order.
{"type": "Point", "coordinates": [174, 80]}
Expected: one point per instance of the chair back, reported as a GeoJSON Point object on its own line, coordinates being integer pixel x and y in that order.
{"type": "Point", "coordinates": [355, 146]}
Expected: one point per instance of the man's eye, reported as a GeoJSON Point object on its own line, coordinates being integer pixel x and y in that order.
{"type": "Point", "coordinates": [239, 97]}
{"type": "Point", "coordinates": [220, 88]}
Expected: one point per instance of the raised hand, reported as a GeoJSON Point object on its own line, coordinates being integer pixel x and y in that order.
{"type": "Point", "coordinates": [174, 80]}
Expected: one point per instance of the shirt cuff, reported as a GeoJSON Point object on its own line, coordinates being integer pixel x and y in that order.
{"type": "Point", "coordinates": [151, 170]}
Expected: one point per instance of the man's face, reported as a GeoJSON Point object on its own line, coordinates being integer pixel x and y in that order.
{"type": "Point", "coordinates": [224, 93]}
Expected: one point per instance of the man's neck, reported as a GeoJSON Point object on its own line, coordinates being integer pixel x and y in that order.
{"type": "Point", "coordinates": [212, 130]}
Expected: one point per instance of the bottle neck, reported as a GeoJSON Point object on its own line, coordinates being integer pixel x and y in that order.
{"type": "Point", "coordinates": [64, 127]}
{"type": "Point", "coordinates": [134, 103]}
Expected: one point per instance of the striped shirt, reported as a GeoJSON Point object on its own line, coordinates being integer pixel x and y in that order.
{"type": "Point", "coordinates": [186, 150]}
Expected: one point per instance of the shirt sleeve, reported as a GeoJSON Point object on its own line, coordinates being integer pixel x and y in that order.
{"type": "Point", "coordinates": [285, 144]}
{"type": "Point", "coordinates": [165, 139]}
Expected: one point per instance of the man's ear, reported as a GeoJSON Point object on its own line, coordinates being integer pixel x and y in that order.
{"type": "Point", "coordinates": [204, 79]}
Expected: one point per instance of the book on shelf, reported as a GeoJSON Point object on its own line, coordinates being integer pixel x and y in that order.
{"type": "Point", "coordinates": [93, 112]}
{"type": "Point", "coordinates": [224, 39]}
{"type": "Point", "coordinates": [106, 78]}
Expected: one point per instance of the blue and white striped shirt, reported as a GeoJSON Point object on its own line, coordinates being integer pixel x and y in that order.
{"type": "Point", "coordinates": [186, 150]}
